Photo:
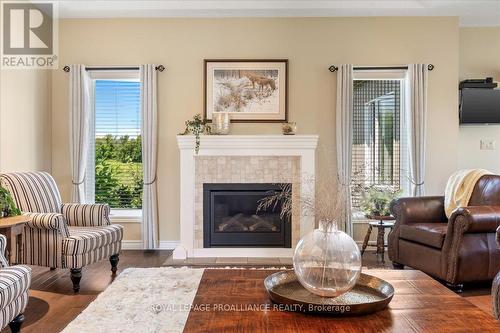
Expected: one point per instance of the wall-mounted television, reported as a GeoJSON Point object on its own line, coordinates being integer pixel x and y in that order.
{"type": "Point", "coordinates": [479, 106]}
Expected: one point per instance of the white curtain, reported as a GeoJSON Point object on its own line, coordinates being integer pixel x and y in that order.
{"type": "Point", "coordinates": [344, 118]}
{"type": "Point", "coordinates": [415, 121]}
{"type": "Point", "coordinates": [79, 117]}
{"type": "Point", "coordinates": [149, 132]}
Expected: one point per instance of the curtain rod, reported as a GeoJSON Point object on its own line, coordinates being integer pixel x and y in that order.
{"type": "Point", "coordinates": [160, 68]}
{"type": "Point", "coordinates": [334, 68]}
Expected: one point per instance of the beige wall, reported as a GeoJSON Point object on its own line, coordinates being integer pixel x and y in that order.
{"type": "Point", "coordinates": [25, 125]}
{"type": "Point", "coordinates": [310, 44]}
{"type": "Point", "coordinates": [479, 58]}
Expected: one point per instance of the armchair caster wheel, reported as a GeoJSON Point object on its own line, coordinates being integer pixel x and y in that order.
{"type": "Point", "coordinates": [15, 324]}
{"type": "Point", "coordinates": [76, 276]}
{"type": "Point", "coordinates": [458, 287]}
{"type": "Point", "coordinates": [397, 265]}
{"type": "Point", "coordinates": [114, 262]}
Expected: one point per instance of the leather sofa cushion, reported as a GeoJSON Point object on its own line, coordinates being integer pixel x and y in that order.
{"type": "Point", "coordinates": [431, 234]}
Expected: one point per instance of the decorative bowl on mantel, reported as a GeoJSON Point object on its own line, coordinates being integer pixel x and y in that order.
{"type": "Point", "coordinates": [289, 128]}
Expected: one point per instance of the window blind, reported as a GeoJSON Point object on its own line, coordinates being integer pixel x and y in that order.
{"type": "Point", "coordinates": [117, 143]}
{"type": "Point", "coordinates": [376, 135]}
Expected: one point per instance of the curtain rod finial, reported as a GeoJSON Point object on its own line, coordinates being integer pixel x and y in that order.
{"type": "Point", "coordinates": [160, 68]}
{"type": "Point", "coordinates": [333, 68]}
{"type": "Point", "coordinates": [66, 69]}
{"type": "Point", "coordinates": [430, 67]}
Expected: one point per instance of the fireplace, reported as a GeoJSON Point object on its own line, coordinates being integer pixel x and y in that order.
{"type": "Point", "coordinates": [230, 217]}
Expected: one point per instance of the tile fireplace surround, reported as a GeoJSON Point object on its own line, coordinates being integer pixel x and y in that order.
{"type": "Point", "coordinates": [242, 159]}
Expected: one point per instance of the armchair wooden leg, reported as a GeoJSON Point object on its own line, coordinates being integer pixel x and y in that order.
{"type": "Point", "coordinates": [76, 276]}
{"type": "Point", "coordinates": [114, 262]}
{"type": "Point", "coordinates": [456, 287]}
{"type": "Point", "coordinates": [397, 265]}
{"type": "Point", "coordinates": [15, 324]}
{"type": "Point", "coordinates": [52, 268]}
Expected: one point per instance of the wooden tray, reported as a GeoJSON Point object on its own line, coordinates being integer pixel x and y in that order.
{"type": "Point", "coordinates": [370, 294]}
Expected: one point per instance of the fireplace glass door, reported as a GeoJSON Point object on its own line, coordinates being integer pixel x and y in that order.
{"type": "Point", "coordinates": [231, 218]}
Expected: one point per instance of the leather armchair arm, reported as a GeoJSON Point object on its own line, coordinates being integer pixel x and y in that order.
{"type": "Point", "coordinates": [477, 219]}
{"type": "Point", "coordinates": [48, 221]}
{"type": "Point", "coordinates": [86, 215]}
{"type": "Point", "coordinates": [463, 221]}
{"type": "Point", "coordinates": [419, 209]}
{"type": "Point", "coordinates": [3, 245]}
{"type": "Point", "coordinates": [413, 210]}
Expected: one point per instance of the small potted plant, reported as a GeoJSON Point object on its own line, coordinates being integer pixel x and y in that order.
{"type": "Point", "coordinates": [376, 200]}
{"type": "Point", "coordinates": [197, 126]}
{"type": "Point", "coordinates": [7, 205]}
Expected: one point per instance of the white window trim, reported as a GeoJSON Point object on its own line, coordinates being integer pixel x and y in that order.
{"type": "Point", "coordinates": [117, 215]}
{"type": "Point", "coordinates": [388, 74]}
{"type": "Point", "coordinates": [122, 75]}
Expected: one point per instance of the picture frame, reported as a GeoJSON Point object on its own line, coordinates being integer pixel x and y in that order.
{"type": "Point", "coordinates": [250, 90]}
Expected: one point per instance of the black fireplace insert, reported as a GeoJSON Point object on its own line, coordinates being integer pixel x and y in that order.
{"type": "Point", "coordinates": [230, 217]}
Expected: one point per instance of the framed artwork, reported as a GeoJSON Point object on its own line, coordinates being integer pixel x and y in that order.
{"type": "Point", "coordinates": [250, 90]}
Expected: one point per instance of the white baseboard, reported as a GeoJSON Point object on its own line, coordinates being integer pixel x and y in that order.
{"type": "Point", "coordinates": [131, 245]}
{"type": "Point", "coordinates": [168, 245]}
{"type": "Point", "coordinates": [137, 245]}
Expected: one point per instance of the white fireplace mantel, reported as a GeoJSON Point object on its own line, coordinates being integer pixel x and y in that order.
{"type": "Point", "coordinates": [303, 146]}
{"type": "Point", "coordinates": [225, 143]}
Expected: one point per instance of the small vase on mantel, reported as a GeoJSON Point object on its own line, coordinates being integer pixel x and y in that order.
{"type": "Point", "coordinates": [327, 261]}
{"type": "Point", "coordinates": [220, 123]}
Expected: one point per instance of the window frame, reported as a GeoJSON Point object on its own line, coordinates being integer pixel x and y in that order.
{"type": "Point", "coordinates": [122, 215]}
{"type": "Point", "coordinates": [402, 76]}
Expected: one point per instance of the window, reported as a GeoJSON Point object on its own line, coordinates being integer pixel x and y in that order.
{"type": "Point", "coordinates": [114, 169]}
{"type": "Point", "coordinates": [378, 152]}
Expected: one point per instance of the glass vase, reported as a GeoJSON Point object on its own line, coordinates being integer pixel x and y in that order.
{"type": "Point", "coordinates": [220, 123]}
{"type": "Point", "coordinates": [327, 261]}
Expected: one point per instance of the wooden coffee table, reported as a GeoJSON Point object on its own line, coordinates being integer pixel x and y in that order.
{"type": "Point", "coordinates": [230, 300]}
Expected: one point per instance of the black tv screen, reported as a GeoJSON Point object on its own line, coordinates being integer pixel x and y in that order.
{"type": "Point", "coordinates": [480, 106]}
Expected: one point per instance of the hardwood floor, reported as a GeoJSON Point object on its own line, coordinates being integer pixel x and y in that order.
{"type": "Point", "coordinates": [53, 304]}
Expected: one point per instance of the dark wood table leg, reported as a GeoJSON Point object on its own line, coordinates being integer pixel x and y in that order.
{"type": "Point", "coordinates": [380, 244]}
{"type": "Point", "coordinates": [8, 249]}
{"type": "Point", "coordinates": [367, 238]}
{"type": "Point", "coordinates": [18, 249]}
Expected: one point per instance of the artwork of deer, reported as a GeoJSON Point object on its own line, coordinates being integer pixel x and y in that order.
{"type": "Point", "coordinates": [265, 82]}
{"type": "Point", "coordinates": [262, 81]}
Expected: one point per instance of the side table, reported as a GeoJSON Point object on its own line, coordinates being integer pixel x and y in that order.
{"type": "Point", "coordinates": [382, 224]}
{"type": "Point", "coordinates": [12, 228]}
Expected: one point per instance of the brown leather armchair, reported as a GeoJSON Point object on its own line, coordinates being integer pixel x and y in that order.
{"type": "Point", "coordinates": [456, 250]}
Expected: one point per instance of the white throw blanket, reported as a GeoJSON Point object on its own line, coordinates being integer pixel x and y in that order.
{"type": "Point", "coordinates": [459, 188]}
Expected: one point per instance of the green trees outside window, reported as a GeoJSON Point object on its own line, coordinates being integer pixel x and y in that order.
{"type": "Point", "coordinates": [118, 171]}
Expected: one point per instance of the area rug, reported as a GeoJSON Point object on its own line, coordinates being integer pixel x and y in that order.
{"type": "Point", "coordinates": [142, 300]}
{"type": "Point", "coordinates": [153, 300]}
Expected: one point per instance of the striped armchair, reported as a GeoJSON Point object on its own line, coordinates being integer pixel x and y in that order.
{"type": "Point", "coordinates": [14, 284]}
{"type": "Point", "coordinates": [62, 235]}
